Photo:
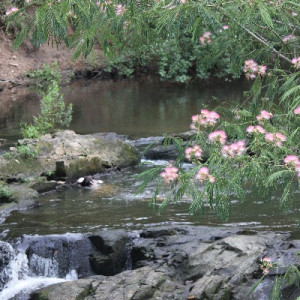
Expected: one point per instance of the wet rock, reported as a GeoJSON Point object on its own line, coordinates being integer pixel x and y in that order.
{"type": "Point", "coordinates": [62, 252]}
{"type": "Point", "coordinates": [185, 262]}
{"type": "Point", "coordinates": [66, 291]}
{"type": "Point", "coordinates": [162, 152]}
{"type": "Point", "coordinates": [6, 255]}
{"type": "Point", "coordinates": [143, 143]}
{"type": "Point", "coordinates": [144, 283]}
{"type": "Point", "coordinates": [111, 253]}
{"type": "Point", "coordinates": [42, 185]}
{"type": "Point", "coordinates": [25, 197]}
{"type": "Point", "coordinates": [62, 155]}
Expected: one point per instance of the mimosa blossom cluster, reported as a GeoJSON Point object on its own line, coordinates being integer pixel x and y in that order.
{"type": "Point", "coordinates": [195, 151]}
{"type": "Point", "coordinates": [252, 69]}
{"type": "Point", "coordinates": [275, 138]}
{"type": "Point", "coordinates": [170, 174]}
{"type": "Point", "coordinates": [297, 111]}
{"type": "Point", "coordinates": [11, 10]}
{"type": "Point", "coordinates": [203, 175]}
{"type": "Point", "coordinates": [294, 162]}
{"type": "Point", "coordinates": [205, 38]}
{"type": "Point", "coordinates": [266, 265]}
{"type": "Point", "coordinates": [264, 115]}
{"type": "Point", "coordinates": [296, 62]}
{"type": "Point", "coordinates": [218, 136]}
{"type": "Point", "coordinates": [235, 149]}
{"type": "Point", "coordinates": [120, 9]}
{"type": "Point", "coordinates": [255, 129]}
{"type": "Point", "coordinates": [288, 38]}
{"type": "Point", "coordinates": [205, 118]}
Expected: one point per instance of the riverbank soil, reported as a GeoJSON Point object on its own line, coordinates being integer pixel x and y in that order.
{"type": "Point", "coordinates": [15, 65]}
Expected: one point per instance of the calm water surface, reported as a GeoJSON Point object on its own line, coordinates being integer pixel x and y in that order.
{"type": "Point", "coordinates": [138, 109]}
{"type": "Point", "coordinates": [135, 108]}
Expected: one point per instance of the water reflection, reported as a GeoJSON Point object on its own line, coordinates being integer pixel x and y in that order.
{"type": "Point", "coordinates": [135, 108]}
{"type": "Point", "coordinates": [141, 108]}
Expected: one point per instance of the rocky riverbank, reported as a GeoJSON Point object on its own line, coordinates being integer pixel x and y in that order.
{"type": "Point", "coordinates": [166, 262]}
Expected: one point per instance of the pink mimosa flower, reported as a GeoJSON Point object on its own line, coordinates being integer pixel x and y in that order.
{"type": "Point", "coordinates": [211, 179]}
{"type": "Point", "coordinates": [280, 136]}
{"type": "Point", "coordinates": [203, 174]}
{"type": "Point", "coordinates": [218, 136]}
{"type": "Point", "coordinates": [250, 129]}
{"type": "Point", "coordinates": [11, 10]}
{"type": "Point", "coordinates": [291, 160]}
{"type": "Point", "coordinates": [195, 151]}
{"type": "Point", "coordinates": [205, 118]}
{"type": "Point", "coordinates": [235, 149]}
{"type": "Point", "coordinates": [205, 38]}
{"type": "Point", "coordinates": [296, 62]}
{"type": "Point", "coordinates": [269, 137]}
{"type": "Point", "coordinates": [297, 111]}
{"type": "Point", "coordinates": [264, 115]}
{"type": "Point", "coordinates": [170, 174]}
{"type": "Point", "coordinates": [252, 69]}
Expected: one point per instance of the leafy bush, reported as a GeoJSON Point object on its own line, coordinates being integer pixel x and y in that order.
{"type": "Point", "coordinates": [6, 195]}
{"type": "Point", "coordinates": [54, 114]}
{"type": "Point", "coordinates": [45, 77]}
{"type": "Point", "coordinates": [25, 151]}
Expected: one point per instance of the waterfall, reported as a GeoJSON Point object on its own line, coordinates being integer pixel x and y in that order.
{"type": "Point", "coordinates": [20, 276]}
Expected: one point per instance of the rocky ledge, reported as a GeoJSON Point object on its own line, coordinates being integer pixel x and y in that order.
{"type": "Point", "coordinates": [182, 262]}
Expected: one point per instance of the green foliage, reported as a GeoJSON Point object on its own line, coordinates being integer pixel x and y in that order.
{"type": "Point", "coordinates": [166, 33]}
{"type": "Point", "coordinates": [6, 195]}
{"type": "Point", "coordinates": [27, 152]}
{"type": "Point", "coordinates": [54, 114]}
{"type": "Point", "coordinates": [45, 77]}
{"type": "Point", "coordinates": [259, 168]}
{"type": "Point", "coordinates": [29, 131]}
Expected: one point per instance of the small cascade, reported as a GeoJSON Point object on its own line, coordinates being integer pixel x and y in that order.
{"type": "Point", "coordinates": [128, 261]}
{"type": "Point", "coordinates": [21, 274]}
{"type": "Point", "coordinates": [40, 266]}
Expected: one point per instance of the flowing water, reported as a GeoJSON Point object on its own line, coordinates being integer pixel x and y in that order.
{"type": "Point", "coordinates": [137, 109]}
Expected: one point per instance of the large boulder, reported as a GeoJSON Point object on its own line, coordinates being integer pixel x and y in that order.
{"type": "Point", "coordinates": [70, 155]}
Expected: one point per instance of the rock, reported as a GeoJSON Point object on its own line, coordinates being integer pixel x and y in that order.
{"type": "Point", "coordinates": [112, 251]}
{"type": "Point", "coordinates": [77, 155]}
{"type": "Point", "coordinates": [42, 185]}
{"type": "Point", "coordinates": [162, 152]}
{"type": "Point", "coordinates": [25, 197]}
{"type": "Point", "coordinates": [142, 143]}
{"type": "Point", "coordinates": [6, 255]}
{"type": "Point", "coordinates": [183, 262]}
{"type": "Point", "coordinates": [144, 283]}
{"type": "Point", "coordinates": [67, 291]}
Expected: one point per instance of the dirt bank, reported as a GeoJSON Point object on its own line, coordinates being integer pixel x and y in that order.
{"type": "Point", "coordinates": [15, 65]}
